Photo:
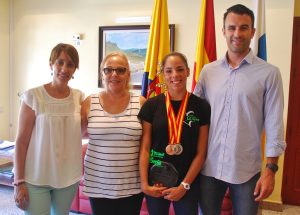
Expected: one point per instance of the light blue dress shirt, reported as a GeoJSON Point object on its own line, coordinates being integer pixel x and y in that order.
{"type": "Point", "coordinates": [243, 100]}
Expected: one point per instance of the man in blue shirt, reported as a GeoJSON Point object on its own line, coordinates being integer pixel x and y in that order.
{"type": "Point", "coordinates": [246, 96]}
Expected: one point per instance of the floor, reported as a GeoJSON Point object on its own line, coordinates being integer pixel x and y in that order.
{"type": "Point", "coordinates": [7, 206]}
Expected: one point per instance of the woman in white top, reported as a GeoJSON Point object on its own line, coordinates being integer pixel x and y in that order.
{"type": "Point", "coordinates": [48, 144]}
{"type": "Point", "coordinates": [111, 173]}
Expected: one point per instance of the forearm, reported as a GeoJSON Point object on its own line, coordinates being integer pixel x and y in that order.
{"type": "Point", "coordinates": [144, 165]}
{"type": "Point", "coordinates": [194, 169]}
{"type": "Point", "coordinates": [19, 160]}
{"type": "Point", "coordinates": [145, 154]}
{"type": "Point", "coordinates": [200, 157]}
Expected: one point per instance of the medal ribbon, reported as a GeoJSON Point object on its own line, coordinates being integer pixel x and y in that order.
{"type": "Point", "coordinates": [175, 123]}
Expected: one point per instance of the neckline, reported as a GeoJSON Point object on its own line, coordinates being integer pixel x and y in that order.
{"type": "Point", "coordinates": [46, 92]}
{"type": "Point", "coordinates": [122, 113]}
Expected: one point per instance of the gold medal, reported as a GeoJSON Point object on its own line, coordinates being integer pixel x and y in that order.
{"type": "Point", "coordinates": [170, 149]}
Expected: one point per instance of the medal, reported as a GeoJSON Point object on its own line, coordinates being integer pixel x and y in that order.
{"type": "Point", "coordinates": [179, 149]}
{"type": "Point", "coordinates": [170, 149]}
{"type": "Point", "coordinates": [175, 125]}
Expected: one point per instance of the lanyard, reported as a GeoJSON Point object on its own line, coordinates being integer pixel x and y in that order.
{"type": "Point", "coordinates": [175, 123]}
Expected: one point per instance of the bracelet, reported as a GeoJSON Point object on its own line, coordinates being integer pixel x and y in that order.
{"type": "Point", "coordinates": [18, 182]}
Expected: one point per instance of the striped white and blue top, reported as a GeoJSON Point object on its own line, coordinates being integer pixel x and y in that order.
{"type": "Point", "coordinates": [111, 167]}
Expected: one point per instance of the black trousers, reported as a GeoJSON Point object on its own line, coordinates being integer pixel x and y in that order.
{"type": "Point", "coordinates": [128, 205]}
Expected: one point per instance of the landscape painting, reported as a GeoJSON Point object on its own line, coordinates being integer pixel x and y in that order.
{"type": "Point", "coordinates": [131, 40]}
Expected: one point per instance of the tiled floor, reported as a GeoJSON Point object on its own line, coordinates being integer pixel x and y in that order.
{"type": "Point", "coordinates": [287, 210]}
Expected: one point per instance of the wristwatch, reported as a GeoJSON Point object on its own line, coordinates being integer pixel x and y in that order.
{"type": "Point", "coordinates": [272, 166]}
{"type": "Point", "coordinates": [186, 186]}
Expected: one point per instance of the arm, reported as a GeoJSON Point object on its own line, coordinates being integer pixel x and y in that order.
{"type": "Point", "coordinates": [153, 191]}
{"type": "Point", "coordinates": [26, 124]}
{"type": "Point", "coordinates": [199, 89]}
{"type": "Point", "coordinates": [85, 109]}
{"type": "Point", "coordinates": [177, 193]}
{"type": "Point", "coordinates": [142, 100]}
{"type": "Point", "coordinates": [273, 122]}
{"type": "Point", "coordinates": [266, 183]}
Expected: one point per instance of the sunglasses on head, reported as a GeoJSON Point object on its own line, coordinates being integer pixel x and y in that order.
{"type": "Point", "coordinates": [118, 70]}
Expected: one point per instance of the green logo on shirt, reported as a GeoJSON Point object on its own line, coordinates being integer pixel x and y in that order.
{"type": "Point", "coordinates": [190, 117]}
{"type": "Point", "coordinates": [156, 157]}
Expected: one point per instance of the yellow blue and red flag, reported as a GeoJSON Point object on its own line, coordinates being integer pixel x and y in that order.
{"type": "Point", "coordinates": [206, 40]}
{"type": "Point", "coordinates": [158, 47]}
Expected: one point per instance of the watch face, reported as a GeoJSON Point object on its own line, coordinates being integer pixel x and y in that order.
{"type": "Point", "coordinates": [185, 185]}
{"type": "Point", "coordinates": [272, 167]}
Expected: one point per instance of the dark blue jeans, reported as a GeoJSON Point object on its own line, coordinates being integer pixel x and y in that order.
{"type": "Point", "coordinates": [212, 192]}
{"type": "Point", "coordinates": [187, 205]}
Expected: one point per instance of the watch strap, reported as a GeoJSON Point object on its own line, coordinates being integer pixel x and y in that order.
{"type": "Point", "coordinates": [272, 166]}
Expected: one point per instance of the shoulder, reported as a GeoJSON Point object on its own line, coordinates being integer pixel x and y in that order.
{"type": "Point", "coordinates": [200, 104]}
{"type": "Point", "coordinates": [32, 92]}
{"type": "Point", "coordinates": [85, 106]}
{"type": "Point", "coordinates": [78, 94]}
{"type": "Point", "coordinates": [154, 101]}
{"type": "Point", "coordinates": [197, 100]}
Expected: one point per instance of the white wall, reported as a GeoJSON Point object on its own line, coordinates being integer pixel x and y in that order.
{"type": "Point", "coordinates": [4, 69]}
{"type": "Point", "coordinates": [39, 25]}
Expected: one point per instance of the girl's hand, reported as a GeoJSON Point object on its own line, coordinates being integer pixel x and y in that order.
{"type": "Point", "coordinates": [174, 193]}
{"type": "Point", "coordinates": [155, 191]}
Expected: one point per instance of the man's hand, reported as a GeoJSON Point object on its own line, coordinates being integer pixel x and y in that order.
{"type": "Point", "coordinates": [265, 185]}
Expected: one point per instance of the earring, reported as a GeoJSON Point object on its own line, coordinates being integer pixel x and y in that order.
{"type": "Point", "coordinates": [51, 73]}
{"type": "Point", "coordinates": [72, 77]}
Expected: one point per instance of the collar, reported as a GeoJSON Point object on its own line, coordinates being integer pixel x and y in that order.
{"type": "Point", "coordinates": [248, 59]}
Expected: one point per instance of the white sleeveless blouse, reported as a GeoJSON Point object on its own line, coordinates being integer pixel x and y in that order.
{"type": "Point", "coordinates": [54, 152]}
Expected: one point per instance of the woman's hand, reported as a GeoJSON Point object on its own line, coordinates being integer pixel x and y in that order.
{"type": "Point", "coordinates": [174, 193]}
{"type": "Point", "coordinates": [21, 196]}
{"type": "Point", "coordinates": [155, 190]}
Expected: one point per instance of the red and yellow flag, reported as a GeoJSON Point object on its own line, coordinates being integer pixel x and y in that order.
{"type": "Point", "coordinates": [206, 41]}
{"type": "Point", "coordinates": [158, 46]}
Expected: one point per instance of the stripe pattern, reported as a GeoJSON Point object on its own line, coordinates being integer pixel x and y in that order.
{"type": "Point", "coordinates": [111, 162]}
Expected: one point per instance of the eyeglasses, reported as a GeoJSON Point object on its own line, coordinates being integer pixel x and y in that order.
{"type": "Point", "coordinates": [118, 70]}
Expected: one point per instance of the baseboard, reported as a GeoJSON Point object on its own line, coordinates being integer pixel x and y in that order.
{"type": "Point", "coordinates": [273, 206]}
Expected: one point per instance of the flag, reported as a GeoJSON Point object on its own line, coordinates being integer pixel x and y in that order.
{"type": "Point", "coordinates": [158, 47]}
{"type": "Point", "coordinates": [258, 43]}
{"type": "Point", "coordinates": [206, 41]}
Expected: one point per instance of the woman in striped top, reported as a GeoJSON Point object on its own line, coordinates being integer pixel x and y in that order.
{"type": "Point", "coordinates": [109, 118]}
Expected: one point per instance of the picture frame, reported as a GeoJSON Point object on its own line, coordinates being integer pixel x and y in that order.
{"type": "Point", "coordinates": [131, 40]}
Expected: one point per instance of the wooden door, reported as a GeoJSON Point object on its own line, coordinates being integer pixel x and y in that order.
{"type": "Point", "coordinates": [291, 171]}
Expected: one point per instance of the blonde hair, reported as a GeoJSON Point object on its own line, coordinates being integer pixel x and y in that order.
{"type": "Point", "coordinates": [118, 54]}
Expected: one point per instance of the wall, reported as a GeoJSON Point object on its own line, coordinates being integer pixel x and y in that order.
{"type": "Point", "coordinates": [4, 69]}
{"type": "Point", "coordinates": [39, 25]}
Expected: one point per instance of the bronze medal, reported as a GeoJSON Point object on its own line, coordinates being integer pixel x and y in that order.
{"type": "Point", "coordinates": [170, 149]}
{"type": "Point", "coordinates": [179, 149]}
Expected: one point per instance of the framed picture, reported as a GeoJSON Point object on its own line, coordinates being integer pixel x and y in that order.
{"type": "Point", "coordinates": [131, 40]}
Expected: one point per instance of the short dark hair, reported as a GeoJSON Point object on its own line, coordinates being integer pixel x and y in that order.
{"type": "Point", "coordinates": [175, 54]}
{"type": "Point", "coordinates": [69, 49]}
{"type": "Point", "coordinates": [241, 10]}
